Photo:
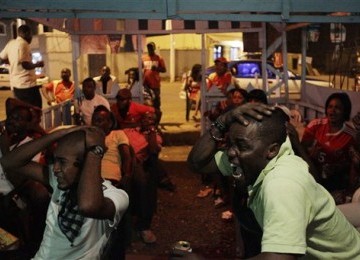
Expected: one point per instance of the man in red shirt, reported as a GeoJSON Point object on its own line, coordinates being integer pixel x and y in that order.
{"type": "Point", "coordinates": [127, 113]}
{"type": "Point", "coordinates": [59, 91]}
{"type": "Point", "coordinates": [221, 78]}
{"type": "Point", "coordinates": [153, 65]}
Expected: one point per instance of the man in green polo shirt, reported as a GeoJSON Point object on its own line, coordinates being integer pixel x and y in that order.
{"type": "Point", "coordinates": [298, 217]}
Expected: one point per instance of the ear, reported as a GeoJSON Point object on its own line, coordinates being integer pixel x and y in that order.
{"type": "Point", "coordinates": [273, 150]}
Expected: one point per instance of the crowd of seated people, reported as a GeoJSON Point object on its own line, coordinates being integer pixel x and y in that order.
{"type": "Point", "coordinates": [138, 170]}
{"type": "Point", "coordinates": [125, 165]}
{"type": "Point", "coordinates": [205, 156]}
{"type": "Point", "coordinates": [329, 145]}
{"type": "Point", "coordinates": [23, 203]}
{"type": "Point", "coordinates": [131, 159]}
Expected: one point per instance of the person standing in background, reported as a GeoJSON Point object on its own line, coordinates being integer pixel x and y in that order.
{"type": "Point", "coordinates": [153, 65]}
{"type": "Point", "coordinates": [22, 70]}
{"type": "Point", "coordinates": [221, 78]}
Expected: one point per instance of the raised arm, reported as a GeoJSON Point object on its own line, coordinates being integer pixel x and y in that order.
{"type": "Point", "coordinates": [127, 165]}
{"type": "Point", "coordinates": [161, 67]}
{"type": "Point", "coordinates": [18, 163]}
{"type": "Point", "coordinates": [91, 200]}
{"type": "Point", "coordinates": [30, 66]}
{"type": "Point", "coordinates": [201, 157]}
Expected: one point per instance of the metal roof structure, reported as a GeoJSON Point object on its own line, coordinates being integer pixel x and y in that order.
{"type": "Point", "coordinates": [85, 17]}
{"type": "Point", "coordinates": [234, 10]}
{"type": "Point", "coordinates": [73, 16]}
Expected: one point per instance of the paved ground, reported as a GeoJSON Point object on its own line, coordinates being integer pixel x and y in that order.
{"type": "Point", "coordinates": [181, 215]}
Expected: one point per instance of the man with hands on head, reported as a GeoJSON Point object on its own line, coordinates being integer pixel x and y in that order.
{"type": "Point", "coordinates": [207, 158]}
{"type": "Point", "coordinates": [84, 209]}
{"type": "Point", "coordinates": [201, 157]}
{"type": "Point", "coordinates": [297, 216]}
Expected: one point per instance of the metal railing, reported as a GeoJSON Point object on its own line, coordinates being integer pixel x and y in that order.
{"type": "Point", "coordinates": [57, 115]}
{"type": "Point", "coordinates": [61, 114]}
{"type": "Point", "coordinates": [308, 111]}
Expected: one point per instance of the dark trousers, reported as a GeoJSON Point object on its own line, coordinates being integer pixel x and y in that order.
{"type": "Point", "coordinates": [29, 95]}
{"type": "Point", "coordinates": [156, 169]}
{"type": "Point", "coordinates": [157, 99]}
{"type": "Point", "coordinates": [144, 194]}
{"type": "Point", "coordinates": [250, 230]}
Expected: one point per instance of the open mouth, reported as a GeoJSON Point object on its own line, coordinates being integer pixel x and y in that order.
{"type": "Point", "coordinates": [332, 117]}
{"type": "Point", "coordinates": [238, 173]}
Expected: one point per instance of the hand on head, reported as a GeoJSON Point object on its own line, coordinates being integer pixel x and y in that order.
{"type": "Point", "coordinates": [94, 136]}
{"type": "Point", "coordinates": [256, 111]}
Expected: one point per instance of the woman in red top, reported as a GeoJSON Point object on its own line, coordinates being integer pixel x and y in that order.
{"type": "Point", "coordinates": [329, 142]}
{"type": "Point", "coordinates": [234, 98]}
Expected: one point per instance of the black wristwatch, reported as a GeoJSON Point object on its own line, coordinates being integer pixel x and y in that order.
{"type": "Point", "coordinates": [97, 150]}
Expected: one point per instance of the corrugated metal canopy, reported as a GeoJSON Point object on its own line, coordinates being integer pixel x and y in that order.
{"type": "Point", "coordinates": [288, 11]}
{"type": "Point", "coordinates": [261, 10]}
{"type": "Point", "coordinates": [77, 16]}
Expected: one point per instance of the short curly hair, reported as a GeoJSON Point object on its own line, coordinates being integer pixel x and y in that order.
{"type": "Point", "coordinates": [345, 101]}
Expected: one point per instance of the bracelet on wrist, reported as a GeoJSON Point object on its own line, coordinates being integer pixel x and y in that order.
{"type": "Point", "coordinates": [214, 136]}
{"type": "Point", "coordinates": [97, 150]}
{"type": "Point", "coordinates": [2, 130]}
{"type": "Point", "coordinates": [220, 125]}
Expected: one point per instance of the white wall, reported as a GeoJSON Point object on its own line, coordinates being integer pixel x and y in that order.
{"type": "Point", "coordinates": [56, 50]}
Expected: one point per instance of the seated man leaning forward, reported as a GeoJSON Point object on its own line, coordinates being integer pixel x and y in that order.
{"type": "Point", "coordinates": [84, 209]}
{"type": "Point", "coordinates": [297, 215]}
